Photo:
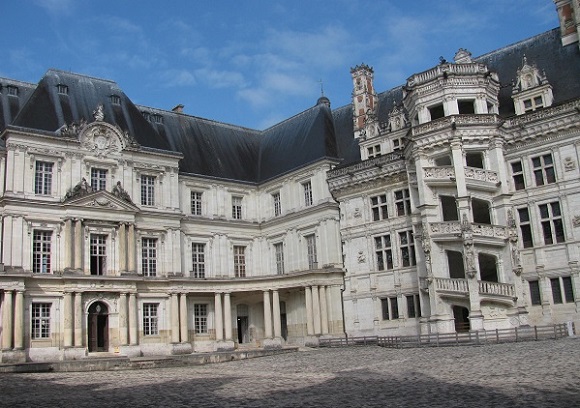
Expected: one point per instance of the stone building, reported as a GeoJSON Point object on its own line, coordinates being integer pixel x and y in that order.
{"type": "Point", "coordinates": [449, 203]}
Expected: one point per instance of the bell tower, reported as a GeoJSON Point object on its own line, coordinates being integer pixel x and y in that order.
{"type": "Point", "coordinates": [364, 98]}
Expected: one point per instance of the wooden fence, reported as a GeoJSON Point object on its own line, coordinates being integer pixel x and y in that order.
{"type": "Point", "coordinates": [516, 334]}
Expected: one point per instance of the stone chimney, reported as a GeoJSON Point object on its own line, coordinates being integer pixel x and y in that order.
{"type": "Point", "coordinates": [178, 108]}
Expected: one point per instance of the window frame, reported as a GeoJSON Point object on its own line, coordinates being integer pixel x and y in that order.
{"type": "Point", "coordinates": [402, 202]}
{"type": "Point", "coordinates": [150, 319]}
{"type": "Point", "coordinates": [277, 203]}
{"type": "Point", "coordinates": [43, 177]}
{"type": "Point", "coordinates": [279, 257]}
{"type": "Point", "coordinates": [198, 260]}
{"type": "Point", "coordinates": [552, 225]}
{"type": "Point", "coordinates": [98, 254]}
{"type": "Point", "coordinates": [196, 198]}
{"type": "Point", "coordinates": [544, 173]}
{"type": "Point", "coordinates": [239, 261]}
{"type": "Point", "coordinates": [407, 248]}
{"type": "Point", "coordinates": [518, 176]}
{"type": "Point", "coordinates": [307, 190]}
{"type": "Point", "coordinates": [41, 251]}
{"type": "Point", "coordinates": [379, 207]}
{"type": "Point", "coordinates": [535, 292]}
{"type": "Point", "coordinates": [526, 230]}
{"type": "Point", "coordinates": [384, 252]}
{"type": "Point", "coordinates": [237, 207]}
{"type": "Point", "coordinates": [311, 252]}
{"type": "Point", "coordinates": [149, 256]}
{"type": "Point", "coordinates": [200, 315]}
{"type": "Point", "coordinates": [40, 320]}
{"type": "Point", "coordinates": [147, 185]}
{"type": "Point", "coordinates": [99, 178]}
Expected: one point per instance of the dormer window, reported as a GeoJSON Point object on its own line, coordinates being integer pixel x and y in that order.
{"type": "Point", "coordinates": [62, 89]}
{"type": "Point", "coordinates": [115, 99]}
{"type": "Point", "coordinates": [12, 90]}
{"type": "Point", "coordinates": [146, 115]}
{"type": "Point", "coordinates": [374, 151]}
{"type": "Point", "coordinates": [533, 104]}
{"type": "Point", "coordinates": [532, 90]}
{"type": "Point", "coordinates": [157, 118]}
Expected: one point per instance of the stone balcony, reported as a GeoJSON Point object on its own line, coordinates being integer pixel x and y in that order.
{"type": "Point", "coordinates": [490, 291]}
{"type": "Point", "coordinates": [480, 179]}
{"type": "Point", "coordinates": [482, 233]}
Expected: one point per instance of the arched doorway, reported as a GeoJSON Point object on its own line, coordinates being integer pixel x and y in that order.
{"type": "Point", "coordinates": [98, 327]}
{"type": "Point", "coordinates": [243, 324]}
{"type": "Point", "coordinates": [461, 316]}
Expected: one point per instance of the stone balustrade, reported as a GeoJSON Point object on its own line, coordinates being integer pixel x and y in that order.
{"type": "Point", "coordinates": [497, 289]}
{"type": "Point", "coordinates": [451, 285]}
{"type": "Point", "coordinates": [478, 174]}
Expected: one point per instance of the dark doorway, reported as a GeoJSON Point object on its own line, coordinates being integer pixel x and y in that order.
{"type": "Point", "coordinates": [243, 324]}
{"type": "Point", "coordinates": [98, 327]}
{"type": "Point", "coordinates": [461, 316]}
{"type": "Point", "coordinates": [283, 320]}
{"type": "Point", "coordinates": [488, 268]}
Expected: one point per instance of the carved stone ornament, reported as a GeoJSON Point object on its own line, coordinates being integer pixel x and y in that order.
{"type": "Point", "coordinates": [569, 164]}
{"type": "Point", "coordinates": [101, 139]}
{"type": "Point", "coordinates": [576, 221]}
{"type": "Point", "coordinates": [361, 257]}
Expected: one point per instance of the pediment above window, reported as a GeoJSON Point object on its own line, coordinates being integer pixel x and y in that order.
{"type": "Point", "coordinates": [101, 200]}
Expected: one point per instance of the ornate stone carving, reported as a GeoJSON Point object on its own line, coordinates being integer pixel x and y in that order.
{"type": "Point", "coordinates": [361, 258]}
{"type": "Point", "coordinates": [81, 189]}
{"type": "Point", "coordinates": [569, 164]}
{"type": "Point", "coordinates": [120, 192]}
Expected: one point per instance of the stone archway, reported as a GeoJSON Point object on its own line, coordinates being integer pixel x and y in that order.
{"type": "Point", "coordinates": [461, 317]}
{"type": "Point", "coordinates": [98, 327]}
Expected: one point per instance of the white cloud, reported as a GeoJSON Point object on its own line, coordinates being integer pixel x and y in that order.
{"type": "Point", "coordinates": [57, 7]}
{"type": "Point", "coordinates": [219, 79]}
{"type": "Point", "coordinates": [177, 78]}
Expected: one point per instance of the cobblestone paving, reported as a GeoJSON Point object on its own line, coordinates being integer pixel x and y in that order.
{"type": "Point", "coordinates": [534, 374]}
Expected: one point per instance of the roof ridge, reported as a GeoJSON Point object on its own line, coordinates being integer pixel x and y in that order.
{"type": "Point", "coordinates": [290, 118]}
{"type": "Point", "coordinates": [517, 43]}
{"type": "Point", "coordinates": [76, 74]}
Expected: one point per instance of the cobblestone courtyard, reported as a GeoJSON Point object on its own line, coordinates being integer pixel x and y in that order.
{"type": "Point", "coordinates": [534, 374]}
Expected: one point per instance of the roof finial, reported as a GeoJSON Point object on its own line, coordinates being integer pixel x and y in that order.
{"type": "Point", "coordinates": [321, 87]}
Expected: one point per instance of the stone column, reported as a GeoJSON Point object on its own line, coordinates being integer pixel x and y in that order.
{"type": "Point", "coordinates": [123, 338]}
{"type": "Point", "coordinates": [316, 309]}
{"type": "Point", "coordinates": [133, 325]}
{"type": "Point", "coordinates": [78, 322]}
{"type": "Point", "coordinates": [68, 243]}
{"type": "Point", "coordinates": [183, 318]}
{"type": "Point", "coordinates": [219, 323]}
{"type": "Point", "coordinates": [19, 320]}
{"type": "Point", "coordinates": [228, 316]}
{"type": "Point", "coordinates": [267, 315]}
{"type": "Point", "coordinates": [323, 310]}
{"type": "Point", "coordinates": [7, 332]}
{"type": "Point", "coordinates": [276, 312]}
{"type": "Point", "coordinates": [122, 247]}
{"type": "Point", "coordinates": [68, 320]}
{"type": "Point", "coordinates": [131, 248]}
{"type": "Point", "coordinates": [78, 244]}
{"type": "Point", "coordinates": [174, 318]}
{"type": "Point", "coordinates": [309, 317]}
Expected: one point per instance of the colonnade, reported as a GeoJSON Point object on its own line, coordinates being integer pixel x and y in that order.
{"type": "Point", "coordinates": [178, 318]}
{"type": "Point", "coordinates": [316, 310]}
{"type": "Point", "coordinates": [13, 320]}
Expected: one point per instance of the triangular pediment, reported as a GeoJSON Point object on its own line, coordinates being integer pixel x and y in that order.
{"type": "Point", "coordinates": [101, 200]}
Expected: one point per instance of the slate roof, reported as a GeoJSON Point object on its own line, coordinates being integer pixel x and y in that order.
{"type": "Point", "coordinates": [224, 151]}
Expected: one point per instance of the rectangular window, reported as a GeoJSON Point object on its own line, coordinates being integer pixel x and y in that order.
{"type": "Point", "coordinates": [149, 256]}
{"type": "Point", "coordinates": [533, 104]}
{"type": "Point", "coordinates": [543, 169]}
{"type": "Point", "coordinates": [383, 252]}
{"type": "Point", "coordinates": [307, 188]}
{"type": "Point", "coordinates": [147, 190]}
{"type": "Point", "coordinates": [240, 261]}
{"type": "Point", "coordinates": [200, 318]}
{"type": "Point", "coordinates": [518, 175]}
{"type": "Point", "coordinates": [279, 252]}
{"type": "Point", "coordinates": [535, 296]}
{"type": "Point", "coordinates": [196, 203]}
{"type": "Point", "coordinates": [552, 225]}
{"type": "Point", "coordinates": [41, 248]}
{"type": "Point", "coordinates": [390, 308]}
{"type": "Point", "coordinates": [556, 290]}
{"type": "Point", "coordinates": [43, 178]}
{"type": "Point", "coordinates": [379, 207]}
{"type": "Point", "coordinates": [403, 202]}
{"type": "Point", "coordinates": [311, 251]}
{"type": "Point", "coordinates": [277, 204]}
{"type": "Point", "coordinates": [62, 89]}
{"type": "Point", "coordinates": [40, 321]}
{"type": "Point", "coordinates": [398, 144]}
{"type": "Point", "coordinates": [374, 151]}
{"type": "Point", "coordinates": [407, 248]}
{"type": "Point", "coordinates": [525, 227]}
{"type": "Point", "coordinates": [98, 250]}
{"type": "Point", "coordinates": [12, 90]}
{"type": "Point", "coordinates": [413, 306]}
{"type": "Point", "coordinates": [237, 208]}
{"type": "Point", "coordinates": [568, 290]}
{"type": "Point", "coordinates": [198, 260]}
{"type": "Point", "coordinates": [98, 179]}
{"type": "Point", "coordinates": [150, 319]}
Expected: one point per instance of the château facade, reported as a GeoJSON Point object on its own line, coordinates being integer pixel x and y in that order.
{"type": "Point", "coordinates": [449, 203]}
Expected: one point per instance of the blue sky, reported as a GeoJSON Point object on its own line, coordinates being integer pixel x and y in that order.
{"type": "Point", "coordinates": [253, 63]}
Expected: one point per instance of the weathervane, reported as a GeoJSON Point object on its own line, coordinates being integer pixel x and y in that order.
{"type": "Point", "coordinates": [321, 87]}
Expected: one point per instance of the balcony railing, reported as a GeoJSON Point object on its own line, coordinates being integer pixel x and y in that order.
{"type": "Point", "coordinates": [451, 285]}
{"type": "Point", "coordinates": [474, 173]}
{"type": "Point", "coordinates": [497, 289]}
